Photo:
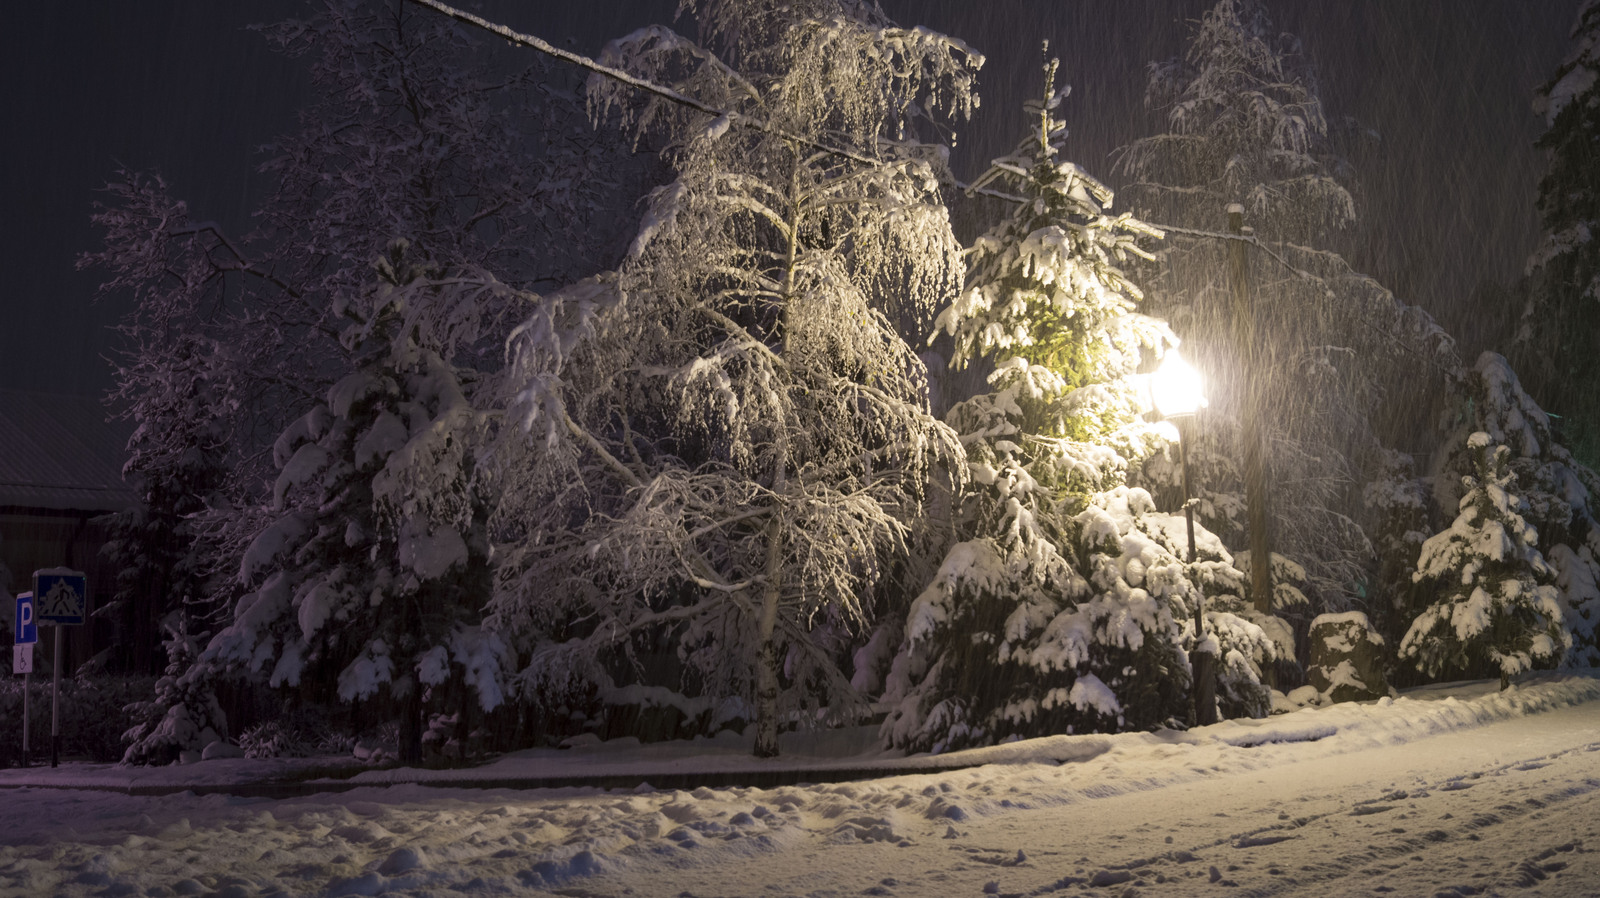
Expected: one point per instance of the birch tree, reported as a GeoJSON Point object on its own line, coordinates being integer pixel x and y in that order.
{"type": "Point", "coordinates": [726, 438]}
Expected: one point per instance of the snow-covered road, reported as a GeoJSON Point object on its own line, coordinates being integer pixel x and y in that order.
{"type": "Point", "coordinates": [1483, 811]}
{"type": "Point", "coordinates": [1461, 792]}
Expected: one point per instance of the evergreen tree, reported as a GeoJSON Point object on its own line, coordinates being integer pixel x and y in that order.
{"type": "Point", "coordinates": [1497, 611]}
{"type": "Point", "coordinates": [183, 714]}
{"type": "Point", "coordinates": [1554, 492]}
{"type": "Point", "coordinates": [1065, 607]}
{"type": "Point", "coordinates": [1245, 125]}
{"type": "Point", "coordinates": [1557, 344]}
{"type": "Point", "coordinates": [1399, 518]}
{"type": "Point", "coordinates": [727, 438]}
{"type": "Point", "coordinates": [368, 570]}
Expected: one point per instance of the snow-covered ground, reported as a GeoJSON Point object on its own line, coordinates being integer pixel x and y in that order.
{"type": "Point", "coordinates": [1448, 791]}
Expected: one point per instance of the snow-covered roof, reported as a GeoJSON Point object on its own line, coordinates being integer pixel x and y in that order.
{"type": "Point", "coordinates": [60, 453]}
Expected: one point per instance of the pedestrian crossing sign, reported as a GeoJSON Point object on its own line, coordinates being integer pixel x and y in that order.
{"type": "Point", "coordinates": [60, 596]}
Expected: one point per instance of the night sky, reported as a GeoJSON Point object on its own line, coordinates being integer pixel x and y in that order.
{"type": "Point", "coordinates": [181, 87]}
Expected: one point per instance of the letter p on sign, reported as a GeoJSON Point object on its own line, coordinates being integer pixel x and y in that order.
{"type": "Point", "coordinates": [27, 629]}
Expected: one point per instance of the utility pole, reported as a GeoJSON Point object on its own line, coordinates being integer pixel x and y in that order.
{"type": "Point", "coordinates": [1255, 474]}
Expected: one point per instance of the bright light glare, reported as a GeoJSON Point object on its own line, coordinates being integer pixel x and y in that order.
{"type": "Point", "coordinates": [1176, 387]}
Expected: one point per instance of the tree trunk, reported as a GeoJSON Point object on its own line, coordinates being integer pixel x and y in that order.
{"type": "Point", "coordinates": [411, 725]}
{"type": "Point", "coordinates": [1255, 475]}
{"type": "Point", "coordinates": [410, 747]}
{"type": "Point", "coordinates": [767, 656]}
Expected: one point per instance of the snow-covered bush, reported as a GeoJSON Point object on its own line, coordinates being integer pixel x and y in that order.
{"type": "Point", "coordinates": [1347, 658]}
{"type": "Point", "coordinates": [297, 731]}
{"type": "Point", "coordinates": [273, 739]}
{"type": "Point", "coordinates": [95, 712]}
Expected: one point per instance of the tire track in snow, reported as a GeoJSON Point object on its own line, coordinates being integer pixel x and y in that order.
{"type": "Point", "coordinates": [1520, 802]}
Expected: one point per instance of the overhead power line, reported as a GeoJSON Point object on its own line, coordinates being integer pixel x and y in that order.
{"type": "Point", "coordinates": [649, 87]}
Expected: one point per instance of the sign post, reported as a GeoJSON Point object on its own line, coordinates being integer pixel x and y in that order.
{"type": "Point", "coordinates": [27, 633]}
{"type": "Point", "coordinates": [62, 600]}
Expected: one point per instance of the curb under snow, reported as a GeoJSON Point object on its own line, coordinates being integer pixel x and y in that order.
{"type": "Point", "coordinates": [1417, 714]}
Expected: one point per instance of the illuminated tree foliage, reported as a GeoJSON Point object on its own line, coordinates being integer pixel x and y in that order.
{"type": "Point", "coordinates": [1066, 606]}
{"type": "Point", "coordinates": [725, 440]}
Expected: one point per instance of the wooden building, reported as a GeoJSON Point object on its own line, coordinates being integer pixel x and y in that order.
{"type": "Point", "coordinates": [60, 470]}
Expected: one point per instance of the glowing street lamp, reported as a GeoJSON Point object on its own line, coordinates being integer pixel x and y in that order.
{"type": "Point", "coordinates": [1176, 387]}
{"type": "Point", "coordinates": [1178, 393]}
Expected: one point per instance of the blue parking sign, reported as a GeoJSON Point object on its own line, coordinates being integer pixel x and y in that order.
{"type": "Point", "coordinates": [60, 596]}
{"type": "Point", "coordinates": [27, 630]}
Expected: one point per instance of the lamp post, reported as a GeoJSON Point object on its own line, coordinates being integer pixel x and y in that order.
{"type": "Point", "coordinates": [1177, 392]}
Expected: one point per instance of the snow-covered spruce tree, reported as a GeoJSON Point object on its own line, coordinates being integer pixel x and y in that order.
{"type": "Point", "coordinates": [1496, 611]}
{"type": "Point", "coordinates": [1245, 125]}
{"type": "Point", "coordinates": [726, 438]}
{"type": "Point", "coordinates": [1557, 347]}
{"type": "Point", "coordinates": [369, 569]}
{"type": "Point", "coordinates": [1065, 607]}
{"type": "Point", "coordinates": [1554, 491]}
{"type": "Point", "coordinates": [184, 714]}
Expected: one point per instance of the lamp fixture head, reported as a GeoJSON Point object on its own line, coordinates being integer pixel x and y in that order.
{"type": "Point", "coordinates": [1176, 388]}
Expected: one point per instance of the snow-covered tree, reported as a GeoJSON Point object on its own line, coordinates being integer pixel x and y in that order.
{"type": "Point", "coordinates": [726, 439]}
{"type": "Point", "coordinates": [1496, 611]}
{"type": "Point", "coordinates": [183, 714]}
{"type": "Point", "coordinates": [369, 569]}
{"type": "Point", "coordinates": [179, 389]}
{"type": "Point", "coordinates": [416, 131]}
{"type": "Point", "coordinates": [1553, 496]}
{"type": "Point", "coordinates": [1308, 358]}
{"type": "Point", "coordinates": [1065, 606]}
{"type": "Point", "coordinates": [1246, 126]}
{"type": "Point", "coordinates": [1557, 346]}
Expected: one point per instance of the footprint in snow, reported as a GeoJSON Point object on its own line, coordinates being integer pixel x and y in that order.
{"type": "Point", "coordinates": [1366, 809]}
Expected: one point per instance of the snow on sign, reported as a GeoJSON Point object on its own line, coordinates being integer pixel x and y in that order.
{"type": "Point", "coordinates": [60, 596]}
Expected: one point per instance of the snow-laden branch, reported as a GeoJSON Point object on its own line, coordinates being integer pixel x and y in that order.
{"type": "Point", "coordinates": [674, 96]}
{"type": "Point", "coordinates": [616, 74]}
